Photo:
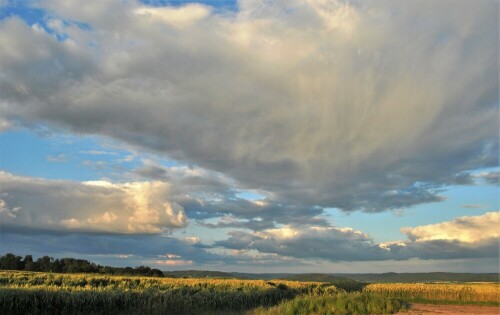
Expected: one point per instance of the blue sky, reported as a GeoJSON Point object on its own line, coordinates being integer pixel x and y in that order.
{"type": "Point", "coordinates": [229, 135]}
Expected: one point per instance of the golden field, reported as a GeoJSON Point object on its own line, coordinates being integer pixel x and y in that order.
{"type": "Point", "coordinates": [465, 293]}
{"type": "Point", "coordinates": [49, 293]}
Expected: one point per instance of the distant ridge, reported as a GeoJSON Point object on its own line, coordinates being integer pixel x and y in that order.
{"type": "Point", "coordinates": [348, 281]}
{"type": "Point", "coordinates": [423, 277]}
{"type": "Point", "coordinates": [343, 277]}
{"type": "Point", "coordinates": [317, 277]}
{"type": "Point", "coordinates": [200, 274]}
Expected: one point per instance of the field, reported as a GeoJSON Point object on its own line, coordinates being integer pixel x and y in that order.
{"type": "Point", "coordinates": [27, 292]}
{"type": "Point", "coordinates": [470, 293]}
{"type": "Point", "coordinates": [48, 293]}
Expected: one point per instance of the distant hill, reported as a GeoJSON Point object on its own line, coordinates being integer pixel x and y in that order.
{"type": "Point", "coordinates": [347, 281]}
{"type": "Point", "coordinates": [260, 276]}
{"type": "Point", "coordinates": [199, 274]}
{"type": "Point", "coordinates": [423, 277]}
{"type": "Point", "coordinates": [343, 278]}
{"type": "Point", "coordinates": [317, 277]}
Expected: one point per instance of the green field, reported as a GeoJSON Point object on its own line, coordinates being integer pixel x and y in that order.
{"type": "Point", "coordinates": [24, 292]}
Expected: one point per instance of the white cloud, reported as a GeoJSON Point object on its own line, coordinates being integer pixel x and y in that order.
{"type": "Point", "coordinates": [180, 17]}
{"type": "Point", "coordinates": [4, 125]}
{"type": "Point", "coordinates": [6, 211]}
{"type": "Point", "coordinates": [467, 229]}
{"type": "Point", "coordinates": [192, 239]}
{"type": "Point", "coordinates": [98, 206]}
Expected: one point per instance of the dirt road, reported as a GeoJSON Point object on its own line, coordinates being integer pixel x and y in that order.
{"type": "Point", "coordinates": [451, 309]}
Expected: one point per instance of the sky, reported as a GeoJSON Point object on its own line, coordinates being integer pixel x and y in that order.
{"type": "Point", "coordinates": [252, 135]}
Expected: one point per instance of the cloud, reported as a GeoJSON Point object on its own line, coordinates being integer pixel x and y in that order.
{"type": "Point", "coordinates": [363, 106]}
{"type": "Point", "coordinates": [139, 206]}
{"type": "Point", "coordinates": [464, 237]}
{"type": "Point", "coordinates": [330, 243]}
{"type": "Point", "coordinates": [4, 125]}
{"type": "Point", "coordinates": [57, 158]}
{"type": "Point", "coordinates": [475, 206]}
{"type": "Point", "coordinates": [206, 195]}
{"type": "Point", "coordinates": [491, 177]}
{"type": "Point", "coordinates": [181, 17]}
{"type": "Point", "coordinates": [111, 249]}
{"type": "Point", "coordinates": [98, 152]}
{"type": "Point", "coordinates": [468, 229]}
{"type": "Point", "coordinates": [94, 206]}
{"type": "Point", "coordinates": [5, 211]}
{"type": "Point", "coordinates": [160, 251]}
{"type": "Point", "coordinates": [171, 262]}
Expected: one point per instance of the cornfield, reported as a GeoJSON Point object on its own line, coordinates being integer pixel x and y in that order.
{"type": "Point", "coordinates": [471, 293]}
{"type": "Point", "coordinates": [340, 303]}
{"type": "Point", "coordinates": [47, 293]}
{"type": "Point", "coordinates": [27, 292]}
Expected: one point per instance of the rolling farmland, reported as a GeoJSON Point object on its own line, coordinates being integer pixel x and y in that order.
{"type": "Point", "coordinates": [32, 292]}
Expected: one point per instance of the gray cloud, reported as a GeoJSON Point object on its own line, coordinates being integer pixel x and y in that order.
{"type": "Point", "coordinates": [491, 177]}
{"type": "Point", "coordinates": [465, 237]}
{"type": "Point", "coordinates": [122, 250]}
{"type": "Point", "coordinates": [160, 251]}
{"type": "Point", "coordinates": [207, 195]}
{"type": "Point", "coordinates": [324, 243]}
{"type": "Point", "coordinates": [475, 206]}
{"type": "Point", "coordinates": [365, 106]}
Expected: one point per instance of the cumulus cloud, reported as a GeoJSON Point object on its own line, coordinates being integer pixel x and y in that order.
{"type": "Point", "coordinates": [211, 198]}
{"type": "Point", "coordinates": [464, 237]}
{"type": "Point", "coordinates": [5, 211]}
{"type": "Point", "coordinates": [94, 206]}
{"type": "Point", "coordinates": [468, 229]}
{"type": "Point", "coordinates": [359, 106]}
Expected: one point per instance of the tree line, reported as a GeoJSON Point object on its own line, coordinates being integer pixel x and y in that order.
{"type": "Point", "coordinates": [70, 265]}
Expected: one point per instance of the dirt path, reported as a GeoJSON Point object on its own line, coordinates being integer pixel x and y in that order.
{"type": "Point", "coordinates": [416, 309]}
